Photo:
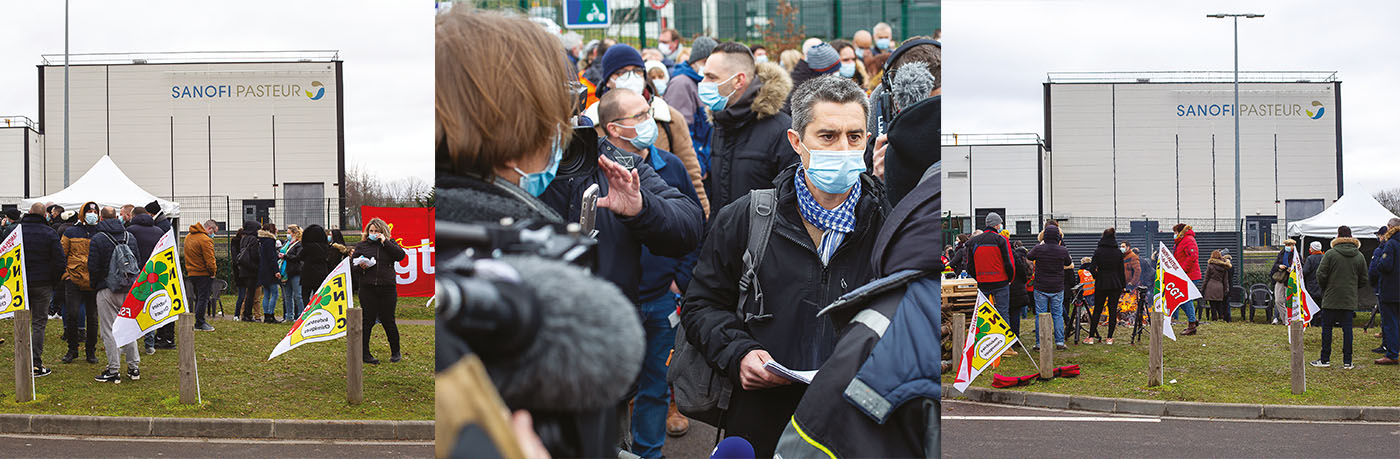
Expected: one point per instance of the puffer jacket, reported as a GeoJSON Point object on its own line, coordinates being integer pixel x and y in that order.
{"type": "Point", "coordinates": [1385, 268]}
{"type": "Point", "coordinates": [43, 254]}
{"type": "Point", "coordinates": [750, 146]}
{"type": "Point", "coordinates": [100, 249]}
{"type": "Point", "coordinates": [199, 253]}
{"type": "Point", "coordinates": [1187, 253]}
{"type": "Point", "coordinates": [75, 245]}
{"type": "Point", "coordinates": [1132, 269]}
{"type": "Point", "coordinates": [385, 254]}
{"type": "Point", "coordinates": [267, 258]}
{"type": "Point", "coordinates": [147, 235]}
{"type": "Point", "coordinates": [1217, 279]}
{"type": "Point", "coordinates": [1342, 274]}
{"type": "Point", "coordinates": [1051, 260]}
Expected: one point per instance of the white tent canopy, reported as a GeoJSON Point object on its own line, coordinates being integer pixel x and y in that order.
{"type": "Point", "coordinates": [1357, 210]}
{"type": "Point", "coordinates": [106, 185]}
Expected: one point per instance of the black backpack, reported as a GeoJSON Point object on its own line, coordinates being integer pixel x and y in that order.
{"type": "Point", "coordinates": [702, 393]}
{"type": "Point", "coordinates": [248, 253]}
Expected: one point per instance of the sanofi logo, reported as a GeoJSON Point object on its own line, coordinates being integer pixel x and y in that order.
{"type": "Point", "coordinates": [1320, 110]}
{"type": "Point", "coordinates": [320, 91]}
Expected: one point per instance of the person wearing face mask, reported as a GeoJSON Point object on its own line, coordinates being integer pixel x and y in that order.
{"type": "Point", "coordinates": [672, 50]}
{"type": "Point", "coordinates": [821, 59]}
{"type": "Point", "coordinates": [760, 53]}
{"type": "Point", "coordinates": [80, 306]}
{"type": "Point", "coordinates": [825, 218]}
{"type": "Point", "coordinates": [863, 43]}
{"type": "Point", "coordinates": [884, 38]}
{"type": "Point", "coordinates": [750, 144]}
{"type": "Point", "coordinates": [627, 124]}
{"type": "Point", "coordinates": [372, 267]}
{"type": "Point", "coordinates": [625, 68]}
{"type": "Point", "coordinates": [851, 65]}
{"type": "Point", "coordinates": [1278, 274]}
{"type": "Point", "coordinates": [11, 222]}
{"type": "Point", "coordinates": [682, 94]}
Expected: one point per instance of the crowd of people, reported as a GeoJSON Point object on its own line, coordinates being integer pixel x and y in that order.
{"type": "Point", "coordinates": [740, 196]}
{"type": "Point", "coordinates": [68, 257]}
{"type": "Point", "coordinates": [1008, 274]}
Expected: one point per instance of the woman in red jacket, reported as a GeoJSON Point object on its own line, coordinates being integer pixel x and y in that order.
{"type": "Point", "coordinates": [1189, 256]}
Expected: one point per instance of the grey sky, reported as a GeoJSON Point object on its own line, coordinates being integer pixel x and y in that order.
{"type": "Point", "coordinates": [387, 48]}
{"type": "Point", "coordinates": [999, 52]}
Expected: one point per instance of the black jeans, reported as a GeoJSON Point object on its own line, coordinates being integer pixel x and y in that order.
{"type": "Point", "coordinates": [82, 318]}
{"type": "Point", "coordinates": [1341, 318]}
{"type": "Point", "coordinates": [1109, 296]}
{"type": "Point", "coordinates": [1222, 309]}
{"type": "Point", "coordinates": [249, 302]}
{"type": "Point", "coordinates": [202, 287]}
{"type": "Point", "coordinates": [380, 301]}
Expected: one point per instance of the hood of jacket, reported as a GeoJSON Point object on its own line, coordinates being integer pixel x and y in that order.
{"type": "Point", "coordinates": [1390, 234]}
{"type": "Point", "coordinates": [266, 234]}
{"type": "Point", "coordinates": [198, 228]}
{"type": "Point", "coordinates": [1051, 235]}
{"type": "Point", "coordinates": [33, 218]}
{"type": "Point", "coordinates": [1347, 246]}
{"type": "Point", "coordinates": [111, 226]}
{"type": "Point", "coordinates": [762, 99]}
{"type": "Point", "coordinates": [143, 220]}
{"type": "Point", "coordinates": [314, 234]}
{"type": "Point", "coordinates": [1188, 231]}
{"type": "Point", "coordinates": [1221, 261]}
{"type": "Point", "coordinates": [1109, 242]}
{"type": "Point", "coordinates": [683, 68]}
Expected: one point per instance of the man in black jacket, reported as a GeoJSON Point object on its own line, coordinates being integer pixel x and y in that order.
{"type": "Point", "coordinates": [745, 100]}
{"type": "Point", "coordinates": [44, 263]}
{"type": "Point", "coordinates": [110, 232]}
{"type": "Point", "coordinates": [823, 232]}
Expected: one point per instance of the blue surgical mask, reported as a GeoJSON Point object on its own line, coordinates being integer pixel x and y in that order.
{"type": "Point", "coordinates": [660, 85]}
{"type": "Point", "coordinates": [882, 43]}
{"type": "Point", "coordinates": [374, 236]}
{"type": "Point", "coordinates": [91, 219]}
{"type": "Point", "coordinates": [835, 172]}
{"type": "Point", "coordinates": [760, 59]}
{"type": "Point", "coordinates": [860, 53]}
{"type": "Point", "coordinates": [709, 94]}
{"type": "Point", "coordinates": [646, 134]}
{"type": "Point", "coordinates": [848, 69]}
{"type": "Point", "coordinates": [536, 183]}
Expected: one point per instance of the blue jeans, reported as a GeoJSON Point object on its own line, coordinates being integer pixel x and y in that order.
{"type": "Point", "coordinates": [291, 299]}
{"type": "Point", "coordinates": [1053, 303]}
{"type": "Point", "coordinates": [1390, 329]}
{"type": "Point", "coordinates": [238, 305]}
{"type": "Point", "coordinates": [653, 395]}
{"type": "Point", "coordinates": [1001, 300]}
{"type": "Point", "coordinates": [1189, 306]}
{"type": "Point", "coordinates": [269, 301]}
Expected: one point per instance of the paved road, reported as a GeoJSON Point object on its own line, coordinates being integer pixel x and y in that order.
{"type": "Point", "coordinates": [40, 446]}
{"type": "Point", "coordinates": [974, 430]}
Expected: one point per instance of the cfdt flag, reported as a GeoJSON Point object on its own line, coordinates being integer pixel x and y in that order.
{"type": "Point", "coordinates": [14, 288]}
{"type": "Point", "coordinates": [1173, 288]}
{"type": "Point", "coordinates": [157, 297]}
{"type": "Point", "coordinates": [987, 337]}
{"type": "Point", "coordinates": [324, 316]}
{"type": "Point", "coordinates": [412, 228]}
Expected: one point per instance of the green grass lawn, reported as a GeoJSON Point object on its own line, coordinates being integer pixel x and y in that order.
{"type": "Point", "coordinates": [410, 308]}
{"type": "Point", "coordinates": [1226, 362]}
{"type": "Point", "coordinates": [236, 379]}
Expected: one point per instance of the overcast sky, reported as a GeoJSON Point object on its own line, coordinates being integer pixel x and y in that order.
{"type": "Point", "coordinates": [999, 52]}
{"type": "Point", "coordinates": [387, 48]}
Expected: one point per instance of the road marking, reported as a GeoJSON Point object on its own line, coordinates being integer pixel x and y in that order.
{"type": "Point", "coordinates": [219, 440]}
{"type": "Point", "coordinates": [1051, 418]}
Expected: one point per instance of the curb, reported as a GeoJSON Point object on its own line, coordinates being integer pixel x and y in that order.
{"type": "Point", "coordinates": [281, 429]}
{"type": "Point", "coordinates": [1178, 409]}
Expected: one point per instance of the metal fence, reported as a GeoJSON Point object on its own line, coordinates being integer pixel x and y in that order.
{"type": "Point", "coordinates": [1257, 231]}
{"type": "Point", "coordinates": [741, 20]}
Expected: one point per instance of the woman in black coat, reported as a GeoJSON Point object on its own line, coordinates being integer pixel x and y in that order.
{"type": "Point", "coordinates": [245, 272]}
{"type": "Point", "coordinates": [315, 251]}
{"type": "Point", "coordinates": [1107, 269]}
{"type": "Point", "coordinates": [372, 268]}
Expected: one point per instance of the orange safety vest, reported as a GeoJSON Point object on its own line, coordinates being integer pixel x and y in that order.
{"type": "Point", "coordinates": [1088, 281]}
{"type": "Point", "coordinates": [592, 90]}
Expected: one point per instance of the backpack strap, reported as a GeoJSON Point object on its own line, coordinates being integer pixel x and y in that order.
{"type": "Point", "coordinates": [762, 204]}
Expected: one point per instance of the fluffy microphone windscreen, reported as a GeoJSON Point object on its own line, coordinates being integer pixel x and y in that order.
{"type": "Point", "coordinates": [589, 347]}
{"type": "Point", "coordinates": [912, 83]}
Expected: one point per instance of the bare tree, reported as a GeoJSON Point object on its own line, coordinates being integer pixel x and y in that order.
{"type": "Point", "coordinates": [1390, 199]}
{"type": "Point", "coordinates": [364, 188]}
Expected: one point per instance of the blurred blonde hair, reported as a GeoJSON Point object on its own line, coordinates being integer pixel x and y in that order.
{"type": "Point", "coordinates": [379, 225]}
{"type": "Point", "coordinates": [789, 59]}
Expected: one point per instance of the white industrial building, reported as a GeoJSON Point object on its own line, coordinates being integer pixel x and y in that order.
{"type": "Point", "coordinates": [1120, 147]}
{"type": "Point", "coordinates": [21, 145]}
{"type": "Point", "coordinates": [230, 136]}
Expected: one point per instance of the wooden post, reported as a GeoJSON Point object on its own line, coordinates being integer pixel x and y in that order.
{"type": "Point", "coordinates": [1295, 331]}
{"type": "Point", "coordinates": [1047, 344]}
{"type": "Point", "coordinates": [24, 358]}
{"type": "Point", "coordinates": [189, 372]}
{"type": "Point", "coordinates": [1154, 350]}
{"type": "Point", "coordinates": [959, 339]}
{"type": "Point", "coordinates": [354, 357]}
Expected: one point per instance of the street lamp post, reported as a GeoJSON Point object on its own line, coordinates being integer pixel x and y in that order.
{"type": "Point", "coordinates": [1239, 229]}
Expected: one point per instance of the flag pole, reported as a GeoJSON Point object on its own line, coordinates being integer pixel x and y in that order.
{"type": "Point", "coordinates": [1028, 354]}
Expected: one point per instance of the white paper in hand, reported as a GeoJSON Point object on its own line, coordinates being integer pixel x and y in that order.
{"type": "Point", "coordinates": [804, 377]}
